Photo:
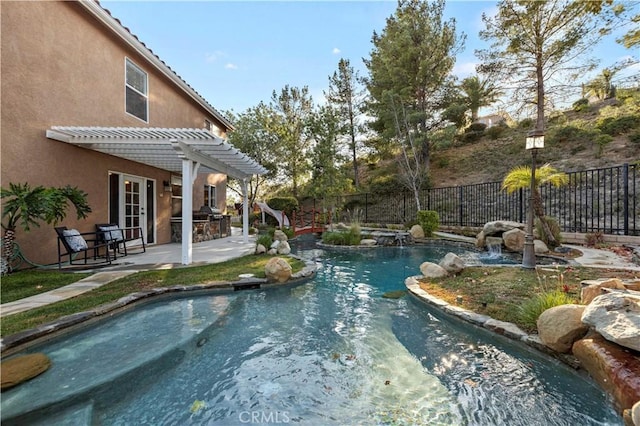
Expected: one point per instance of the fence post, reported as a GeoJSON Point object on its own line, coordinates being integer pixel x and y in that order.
{"type": "Point", "coordinates": [460, 204]}
{"type": "Point", "coordinates": [521, 205]}
{"type": "Point", "coordinates": [625, 197]}
{"type": "Point", "coordinates": [366, 207]}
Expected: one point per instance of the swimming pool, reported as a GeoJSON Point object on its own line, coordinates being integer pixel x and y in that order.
{"type": "Point", "coordinates": [330, 351]}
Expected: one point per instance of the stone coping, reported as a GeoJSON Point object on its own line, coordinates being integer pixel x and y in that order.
{"type": "Point", "coordinates": [503, 328]}
{"type": "Point", "coordinates": [14, 343]}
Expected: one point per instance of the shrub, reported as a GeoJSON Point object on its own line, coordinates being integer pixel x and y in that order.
{"type": "Point", "coordinates": [581, 105]}
{"type": "Point", "coordinates": [531, 309]}
{"type": "Point", "coordinates": [265, 240]}
{"type": "Point", "coordinates": [635, 137]}
{"type": "Point", "coordinates": [495, 132]}
{"type": "Point", "coordinates": [429, 220]}
{"type": "Point", "coordinates": [601, 141]}
{"type": "Point", "coordinates": [287, 204]}
{"type": "Point", "coordinates": [351, 237]}
{"type": "Point", "coordinates": [526, 123]}
{"type": "Point", "coordinates": [616, 126]}
{"type": "Point", "coordinates": [572, 134]}
{"type": "Point", "coordinates": [555, 230]}
{"type": "Point", "coordinates": [594, 239]}
{"type": "Point", "coordinates": [476, 127]}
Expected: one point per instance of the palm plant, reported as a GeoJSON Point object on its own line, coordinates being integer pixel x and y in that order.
{"type": "Point", "coordinates": [520, 177]}
{"type": "Point", "coordinates": [477, 94]}
{"type": "Point", "coordinates": [27, 206]}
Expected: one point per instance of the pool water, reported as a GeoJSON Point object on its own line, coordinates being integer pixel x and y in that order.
{"type": "Point", "coordinates": [330, 351]}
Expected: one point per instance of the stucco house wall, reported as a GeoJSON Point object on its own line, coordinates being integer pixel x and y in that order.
{"type": "Point", "coordinates": [60, 66]}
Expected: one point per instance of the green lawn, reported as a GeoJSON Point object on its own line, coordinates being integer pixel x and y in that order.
{"type": "Point", "coordinates": [21, 284]}
{"type": "Point", "coordinates": [141, 281]}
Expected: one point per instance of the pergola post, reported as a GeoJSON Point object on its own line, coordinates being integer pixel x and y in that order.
{"type": "Point", "coordinates": [189, 173]}
{"type": "Point", "coordinates": [245, 212]}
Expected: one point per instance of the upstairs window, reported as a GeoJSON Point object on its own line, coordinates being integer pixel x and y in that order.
{"type": "Point", "coordinates": [137, 101]}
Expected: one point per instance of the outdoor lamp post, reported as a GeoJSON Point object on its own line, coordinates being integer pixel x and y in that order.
{"type": "Point", "coordinates": [534, 141]}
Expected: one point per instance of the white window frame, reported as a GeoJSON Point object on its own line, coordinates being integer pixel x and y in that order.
{"type": "Point", "coordinates": [212, 195]}
{"type": "Point", "coordinates": [144, 95]}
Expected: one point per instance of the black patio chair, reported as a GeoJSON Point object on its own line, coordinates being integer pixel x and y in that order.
{"type": "Point", "coordinates": [78, 245]}
{"type": "Point", "coordinates": [117, 238]}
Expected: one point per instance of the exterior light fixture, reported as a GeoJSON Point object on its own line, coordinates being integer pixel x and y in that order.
{"type": "Point", "coordinates": [534, 141]}
{"type": "Point", "coordinates": [167, 186]}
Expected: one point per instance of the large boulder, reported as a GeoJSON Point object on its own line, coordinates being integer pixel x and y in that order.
{"type": "Point", "coordinates": [539, 247]}
{"type": "Point", "coordinates": [277, 270]}
{"type": "Point", "coordinates": [416, 231]}
{"type": "Point", "coordinates": [432, 270]}
{"type": "Point", "coordinates": [616, 316]}
{"type": "Point", "coordinates": [368, 242]}
{"type": "Point", "coordinates": [260, 249]}
{"type": "Point", "coordinates": [279, 235]}
{"type": "Point", "coordinates": [498, 227]}
{"type": "Point", "coordinates": [594, 288]}
{"type": "Point", "coordinates": [514, 239]}
{"type": "Point", "coordinates": [284, 247]}
{"type": "Point", "coordinates": [614, 368]}
{"type": "Point", "coordinates": [22, 368]}
{"type": "Point", "coordinates": [452, 263]}
{"type": "Point", "coordinates": [480, 240]}
{"type": "Point", "coordinates": [561, 326]}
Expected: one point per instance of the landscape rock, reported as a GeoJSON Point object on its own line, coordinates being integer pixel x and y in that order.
{"type": "Point", "coordinates": [480, 240]}
{"type": "Point", "coordinates": [275, 244]}
{"type": "Point", "coordinates": [432, 270]}
{"type": "Point", "coordinates": [272, 252]}
{"type": "Point", "coordinates": [498, 227]}
{"type": "Point", "coordinates": [614, 368]}
{"type": "Point", "coordinates": [277, 270]}
{"type": "Point", "coordinates": [22, 368]}
{"type": "Point", "coordinates": [635, 413]}
{"type": "Point", "coordinates": [452, 263]}
{"type": "Point", "coordinates": [514, 239]}
{"type": "Point", "coordinates": [539, 247]}
{"type": "Point", "coordinates": [368, 242]}
{"type": "Point", "coordinates": [278, 235]}
{"type": "Point", "coordinates": [260, 249]}
{"type": "Point", "coordinates": [616, 316]}
{"type": "Point", "coordinates": [561, 326]}
{"type": "Point", "coordinates": [416, 231]}
{"type": "Point", "coordinates": [593, 288]}
{"type": "Point", "coordinates": [284, 247]}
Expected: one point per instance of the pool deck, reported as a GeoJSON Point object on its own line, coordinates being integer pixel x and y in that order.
{"type": "Point", "coordinates": [215, 251]}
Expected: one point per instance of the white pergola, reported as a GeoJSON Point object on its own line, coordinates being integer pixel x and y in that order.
{"type": "Point", "coordinates": [186, 151]}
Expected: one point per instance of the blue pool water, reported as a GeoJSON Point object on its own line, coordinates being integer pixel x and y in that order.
{"type": "Point", "coordinates": [328, 352]}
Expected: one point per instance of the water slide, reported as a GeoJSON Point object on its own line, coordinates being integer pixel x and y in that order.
{"type": "Point", "coordinates": [280, 217]}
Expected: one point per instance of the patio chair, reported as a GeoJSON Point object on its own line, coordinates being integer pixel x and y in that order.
{"type": "Point", "coordinates": [79, 245]}
{"type": "Point", "coordinates": [117, 238]}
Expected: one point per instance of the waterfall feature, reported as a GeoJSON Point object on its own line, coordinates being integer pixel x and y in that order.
{"type": "Point", "coordinates": [494, 246]}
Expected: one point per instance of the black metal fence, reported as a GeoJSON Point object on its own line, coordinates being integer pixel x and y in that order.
{"type": "Point", "coordinates": [605, 200]}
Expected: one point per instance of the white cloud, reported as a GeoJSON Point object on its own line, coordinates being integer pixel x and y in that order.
{"type": "Point", "coordinates": [335, 51]}
{"type": "Point", "coordinates": [231, 66]}
{"type": "Point", "coordinates": [464, 70]}
{"type": "Point", "coordinates": [212, 57]}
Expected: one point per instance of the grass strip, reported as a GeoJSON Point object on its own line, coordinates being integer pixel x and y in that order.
{"type": "Point", "coordinates": [141, 281]}
{"type": "Point", "coordinates": [21, 284]}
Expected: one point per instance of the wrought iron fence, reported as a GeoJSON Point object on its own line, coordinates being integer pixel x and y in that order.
{"type": "Point", "coordinates": [605, 200]}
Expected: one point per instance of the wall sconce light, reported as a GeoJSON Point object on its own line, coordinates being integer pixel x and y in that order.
{"type": "Point", "coordinates": [167, 186]}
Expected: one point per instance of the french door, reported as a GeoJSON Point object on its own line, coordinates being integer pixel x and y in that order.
{"type": "Point", "coordinates": [131, 200]}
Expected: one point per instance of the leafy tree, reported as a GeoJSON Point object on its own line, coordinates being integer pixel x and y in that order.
{"type": "Point", "coordinates": [251, 136]}
{"type": "Point", "coordinates": [536, 46]}
{"type": "Point", "coordinates": [409, 70]}
{"type": "Point", "coordinates": [520, 177]}
{"type": "Point", "coordinates": [292, 108]}
{"type": "Point", "coordinates": [345, 95]}
{"type": "Point", "coordinates": [478, 93]}
{"type": "Point", "coordinates": [412, 164]}
{"type": "Point", "coordinates": [26, 206]}
{"type": "Point", "coordinates": [621, 14]}
{"type": "Point", "coordinates": [327, 178]}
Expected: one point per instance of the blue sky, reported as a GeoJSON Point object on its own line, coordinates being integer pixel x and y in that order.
{"type": "Point", "coordinates": [235, 53]}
